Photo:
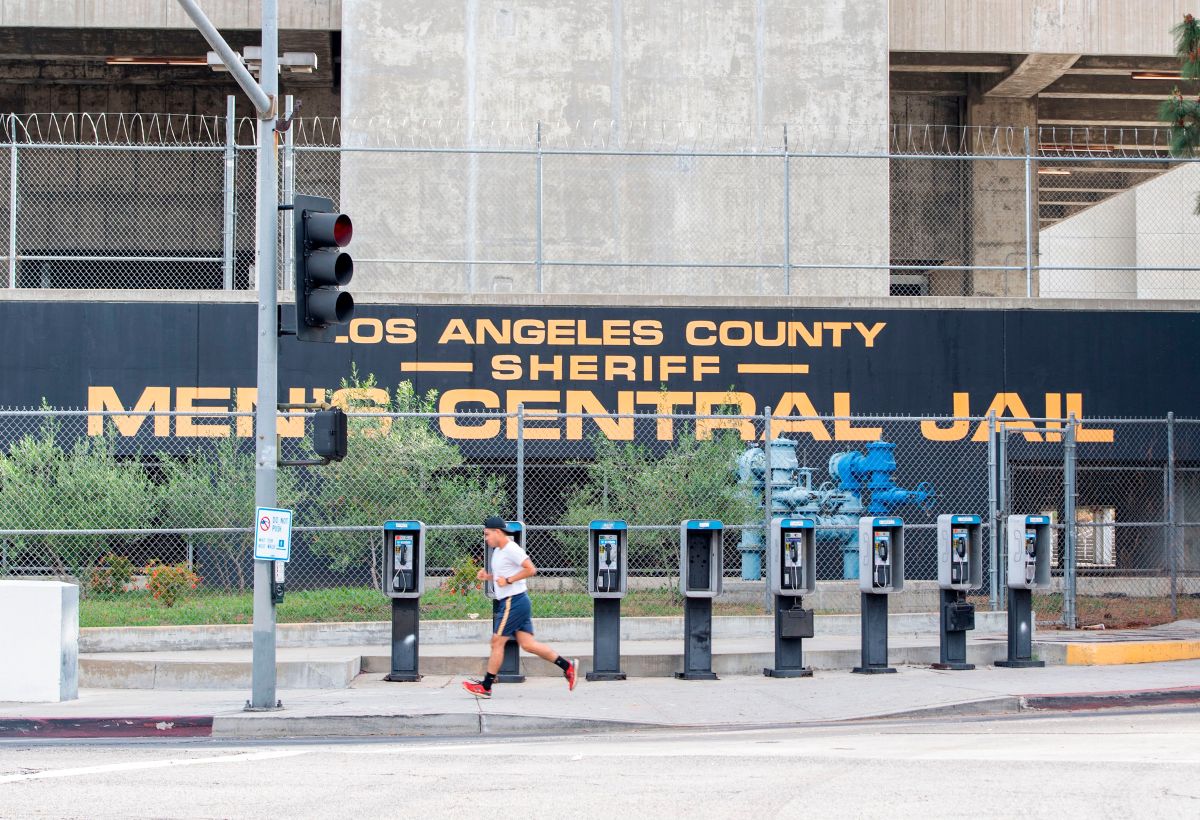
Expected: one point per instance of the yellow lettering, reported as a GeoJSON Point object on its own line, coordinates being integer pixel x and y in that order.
{"type": "Point", "coordinates": [506, 368]}
{"type": "Point", "coordinates": [450, 426]}
{"type": "Point", "coordinates": [836, 329]}
{"type": "Point", "coordinates": [456, 331]}
{"type": "Point", "coordinates": [374, 326]}
{"type": "Point", "coordinates": [1010, 402]}
{"type": "Point", "coordinates": [742, 338]}
{"type": "Point", "coordinates": [797, 405]}
{"type": "Point", "coordinates": [152, 398]}
{"type": "Point", "coordinates": [585, 402]}
{"type": "Point", "coordinates": [584, 368]}
{"type": "Point", "coordinates": [957, 430]}
{"type": "Point", "coordinates": [647, 333]}
{"type": "Point", "coordinates": [664, 403]}
{"type": "Point", "coordinates": [707, 402]}
{"type": "Point", "coordinates": [400, 331]}
{"type": "Point", "coordinates": [690, 333]}
{"type": "Point", "coordinates": [844, 429]}
{"type": "Point", "coordinates": [869, 334]}
{"type": "Point", "coordinates": [185, 402]}
{"type": "Point", "coordinates": [616, 332]}
{"type": "Point", "coordinates": [704, 365]}
{"type": "Point", "coordinates": [1099, 435]}
{"type": "Point", "coordinates": [525, 397]}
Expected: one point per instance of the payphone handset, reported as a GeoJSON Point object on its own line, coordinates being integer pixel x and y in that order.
{"type": "Point", "coordinates": [701, 558]}
{"type": "Point", "coordinates": [793, 556]}
{"type": "Point", "coordinates": [960, 551]}
{"type": "Point", "coordinates": [1029, 551]}
{"type": "Point", "coordinates": [403, 559]}
{"type": "Point", "coordinates": [606, 569]}
{"type": "Point", "coordinates": [1030, 555]}
{"type": "Point", "coordinates": [516, 531]}
{"type": "Point", "coordinates": [959, 545]}
{"type": "Point", "coordinates": [881, 559]}
{"type": "Point", "coordinates": [881, 555]}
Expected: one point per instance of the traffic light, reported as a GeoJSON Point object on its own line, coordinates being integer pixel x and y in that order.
{"type": "Point", "coordinates": [329, 434]}
{"type": "Point", "coordinates": [321, 268]}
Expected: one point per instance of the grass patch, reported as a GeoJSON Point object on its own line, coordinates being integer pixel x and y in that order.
{"type": "Point", "coordinates": [364, 604]}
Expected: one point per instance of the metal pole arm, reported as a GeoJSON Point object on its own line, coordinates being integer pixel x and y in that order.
{"type": "Point", "coordinates": [263, 104]}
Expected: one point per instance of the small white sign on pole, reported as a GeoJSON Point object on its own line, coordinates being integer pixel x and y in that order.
{"type": "Point", "coordinates": [272, 534]}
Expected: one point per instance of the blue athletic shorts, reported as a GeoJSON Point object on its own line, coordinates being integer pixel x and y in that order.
{"type": "Point", "coordinates": [512, 615]}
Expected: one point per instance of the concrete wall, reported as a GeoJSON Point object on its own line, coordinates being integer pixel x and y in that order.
{"type": "Point", "coordinates": [625, 69]}
{"type": "Point", "coordinates": [116, 14]}
{"type": "Point", "coordinates": [1152, 225]}
{"type": "Point", "coordinates": [1023, 26]}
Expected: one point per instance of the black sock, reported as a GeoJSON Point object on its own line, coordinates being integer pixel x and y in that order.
{"type": "Point", "coordinates": [562, 663]}
{"type": "Point", "coordinates": [488, 680]}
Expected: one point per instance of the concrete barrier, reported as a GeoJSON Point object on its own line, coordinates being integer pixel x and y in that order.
{"type": "Point", "coordinates": [378, 633]}
{"type": "Point", "coordinates": [39, 641]}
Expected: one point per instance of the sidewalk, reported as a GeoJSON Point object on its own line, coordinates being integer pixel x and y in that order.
{"type": "Point", "coordinates": [437, 706]}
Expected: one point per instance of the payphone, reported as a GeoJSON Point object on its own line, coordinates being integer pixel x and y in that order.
{"type": "Point", "coordinates": [701, 567]}
{"type": "Point", "coordinates": [1028, 538]}
{"type": "Point", "coordinates": [960, 568]}
{"type": "Point", "coordinates": [510, 669]}
{"type": "Point", "coordinates": [880, 573]}
{"type": "Point", "coordinates": [607, 582]}
{"type": "Point", "coordinates": [404, 582]}
{"type": "Point", "coordinates": [792, 566]}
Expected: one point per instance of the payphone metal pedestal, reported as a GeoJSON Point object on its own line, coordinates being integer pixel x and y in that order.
{"type": "Point", "coordinates": [954, 611]}
{"type": "Point", "coordinates": [406, 638]}
{"type": "Point", "coordinates": [791, 619]}
{"type": "Point", "coordinates": [1020, 631]}
{"type": "Point", "coordinates": [510, 668]}
{"type": "Point", "coordinates": [874, 635]}
{"type": "Point", "coordinates": [697, 637]}
{"type": "Point", "coordinates": [606, 640]}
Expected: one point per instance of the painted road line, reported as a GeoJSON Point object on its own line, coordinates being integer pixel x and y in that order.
{"type": "Point", "coordinates": [149, 764]}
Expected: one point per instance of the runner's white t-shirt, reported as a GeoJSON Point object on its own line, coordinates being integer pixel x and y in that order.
{"type": "Point", "coordinates": [506, 561]}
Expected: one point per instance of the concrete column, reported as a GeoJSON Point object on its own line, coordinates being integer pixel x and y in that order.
{"type": "Point", "coordinates": [997, 213]}
{"type": "Point", "coordinates": [39, 641]}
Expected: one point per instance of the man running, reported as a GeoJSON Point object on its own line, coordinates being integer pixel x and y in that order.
{"type": "Point", "coordinates": [512, 613]}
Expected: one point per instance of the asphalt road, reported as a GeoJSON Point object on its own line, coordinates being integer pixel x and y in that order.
{"type": "Point", "coordinates": [1105, 764]}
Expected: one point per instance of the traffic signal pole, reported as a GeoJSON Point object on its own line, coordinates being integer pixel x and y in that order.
{"type": "Point", "coordinates": [265, 96]}
{"type": "Point", "coordinates": [266, 455]}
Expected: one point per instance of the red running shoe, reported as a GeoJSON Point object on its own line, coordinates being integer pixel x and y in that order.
{"type": "Point", "coordinates": [570, 674]}
{"type": "Point", "coordinates": [476, 688]}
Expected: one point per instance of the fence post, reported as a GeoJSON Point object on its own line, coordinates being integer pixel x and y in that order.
{"type": "Point", "coordinates": [1028, 215]}
{"type": "Point", "coordinates": [520, 462]}
{"type": "Point", "coordinates": [288, 195]}
{"type": "Point", "coordinates": [993, 517]}
{"type": "Point", "coordinates": [12, 201]}
{"type": "Point", "coordinates": [191, 555]}
{"type": "Point", "coordinates": [1172, 529]}
{"type": "Point", "coordinates": [230, 186]}
{"type": "Point", "coordinates": [1070, 620]}
{"type": "Point", "coordinates": [1002, 503]}
{"type": "Point", "coordinates": [768, 507]}
{"type": "Point", "coordinates": [538, 272]}
{"type": "Point", "coordinates": [787, 216]}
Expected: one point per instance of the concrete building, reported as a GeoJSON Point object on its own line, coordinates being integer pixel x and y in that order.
{"type": "Point", "coordinates": [998, 78]}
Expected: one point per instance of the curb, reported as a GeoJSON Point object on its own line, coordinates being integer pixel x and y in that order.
{"type": "Point", "coordinates": [58, 728]}
{"type": "Point", "coordinates": [1111, 700]}
{"type": "Point", "coordinates": [476, 724]}
{"type": "Point", "coordinates": [1104, 654]}
{"type": "Point", "coordinates": [453, 724]}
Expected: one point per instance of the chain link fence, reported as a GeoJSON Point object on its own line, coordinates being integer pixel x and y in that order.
{"type": "Point", "coordinates": [168, 202]}
{"type": "Point", "coordinates": [102, 496]}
